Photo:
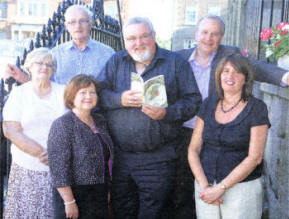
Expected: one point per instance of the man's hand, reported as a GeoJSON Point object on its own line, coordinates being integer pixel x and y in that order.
{"type": "Point", "coordinates": [14, 72]}
{"type": "Point", "coordinates": [287, 81]}
{"type": "Point", "coordinates": [131, 98]}
{"type": "Point", "coordinates": [154, 112]}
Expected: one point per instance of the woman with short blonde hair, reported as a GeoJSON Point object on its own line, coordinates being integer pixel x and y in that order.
{"type": "Point", "coordinates": [28, 114]}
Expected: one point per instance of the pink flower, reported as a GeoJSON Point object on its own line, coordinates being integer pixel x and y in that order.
{"type": "Point", "coordinates": [280, 25]}
{"type": "Point", "coordinates": [283, 32]}
{"type": "Point", "coordinates": [245, 53]}
{"type": "Point", "coordinates": [266, 33]}
{"type": "Point", "coordinates": [277, 38]}
{"type": "Point", "coordinates": [277, 44]}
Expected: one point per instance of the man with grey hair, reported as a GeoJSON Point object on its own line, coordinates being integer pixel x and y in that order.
{"type": "Point", "coordinates": [81, 55]}
{"type": "Point", "coordinates": [203, 59]}
{"type": "Point", "coordinates": [145, 136]}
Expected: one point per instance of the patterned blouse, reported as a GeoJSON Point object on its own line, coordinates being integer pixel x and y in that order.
{"type": "Point", "coordinates": [76, 155]}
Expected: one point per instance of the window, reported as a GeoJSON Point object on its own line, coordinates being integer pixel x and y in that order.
{"type": "Point", "coordinates": [32, 9]}
{"type": "Point", "coordinates": [189, 43]}
{"type": "Point", "coordinates": [43, 10]}
{"type": "Point", "coordinates": [2, 34]}
{"type": "Point", "coordinates": [16, 35]}
{"type": "Point", "coordinates": [3, 10]}
{"type": "Point", "coordinates": [214, 10]}
{"type": "Point", "coordinates": [22, 9]}
{"type": "Point", "coordinates": [191, 15]}
{"type": "Point", "coordinates": [110, 10]}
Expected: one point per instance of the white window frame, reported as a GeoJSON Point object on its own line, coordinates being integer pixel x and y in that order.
{"type": "Point", "coordinates": [43, 10]}
{"type": "Point", "coordinates": [189, 43]}
{"type": "Point", "coordinates": [5, 12]}
{"type": "Point", "coordinates": [35, 6]}
{"type": "Point", "coordinates": [189, 12]}
{"type": "Point", "coordinates": [214, 10]}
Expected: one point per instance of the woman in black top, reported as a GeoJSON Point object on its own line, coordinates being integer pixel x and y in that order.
{"type": "Point", "coordinates": [79, 152]}
{"type": "Point", "coordinates": [227, 146]}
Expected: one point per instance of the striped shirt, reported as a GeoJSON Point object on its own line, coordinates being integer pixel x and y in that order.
{"type": "Point", "coordinates": [71, 61]}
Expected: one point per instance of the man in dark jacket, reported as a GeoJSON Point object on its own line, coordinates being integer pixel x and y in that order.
{"type": "Point", "coordinates": [204, 58]}
{"type": "Point", "coordinates": [145, 137]}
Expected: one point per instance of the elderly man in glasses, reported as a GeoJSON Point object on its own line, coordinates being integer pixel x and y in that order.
{"type": "Point", "coordinates": [81, 55]}
{"type": "Point", "coordinates": [145, 136]}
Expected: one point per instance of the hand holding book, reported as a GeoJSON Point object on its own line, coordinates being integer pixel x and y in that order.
{"type": "Point", "coordinates": [153, 91]}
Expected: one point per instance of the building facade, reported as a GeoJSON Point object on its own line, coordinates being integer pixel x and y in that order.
{"type": "Point", "coordinates": [26, 17]}
{"type": "Point", "coordinates": [186, 15]}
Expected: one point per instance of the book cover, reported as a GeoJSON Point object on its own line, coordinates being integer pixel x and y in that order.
{"type": "Point", "coordinates": [153, 90]}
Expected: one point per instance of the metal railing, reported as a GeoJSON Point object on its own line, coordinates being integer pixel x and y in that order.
{"type": "Point", "coordinates": [105, 30]}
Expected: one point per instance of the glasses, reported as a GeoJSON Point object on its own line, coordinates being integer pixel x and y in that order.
{"type": "Point", "coordinates": [81, 22]}
{"type": "Point", "coordinates": [47, 65]}
{"type": "Point", "coordinates": [133, 39]}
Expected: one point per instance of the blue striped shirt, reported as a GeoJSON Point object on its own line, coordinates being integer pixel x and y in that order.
{"type": "Point", "coordinates": [71, 61]}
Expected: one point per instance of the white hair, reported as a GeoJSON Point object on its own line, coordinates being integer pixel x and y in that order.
{"type": "Point", "coordinates": [139, 20]}
{"type": "Point", "coordinates": [37, 55]}
{"type": "Point", "coordinates": [215, 18]}
{"type": "Point", "coordinates": [79, 7]}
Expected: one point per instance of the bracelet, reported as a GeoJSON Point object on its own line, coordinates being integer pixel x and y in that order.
{"type": "Point", "coordinates": [69, 203]}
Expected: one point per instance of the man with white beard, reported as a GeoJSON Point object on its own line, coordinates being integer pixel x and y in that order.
{"type": "Point", "coordinates": [145, 137]}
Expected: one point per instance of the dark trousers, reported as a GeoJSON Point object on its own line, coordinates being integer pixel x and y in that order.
{"type": "Point", "coordinates": [91, 201]}
{"type": "Point", "coordinates": [183, 195]}
{"type": "Point", "coordinates": [140, 191]}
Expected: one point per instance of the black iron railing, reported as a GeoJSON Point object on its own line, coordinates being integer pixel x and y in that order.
{"type": "Point", "coordinates": [105, 30]}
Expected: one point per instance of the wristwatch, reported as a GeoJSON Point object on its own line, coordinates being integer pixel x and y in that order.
{"type": "Point", "coordinates": [223, 186]}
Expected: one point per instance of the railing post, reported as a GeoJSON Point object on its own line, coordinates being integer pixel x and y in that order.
{"type": "Point", "coordinates": [2, 149]}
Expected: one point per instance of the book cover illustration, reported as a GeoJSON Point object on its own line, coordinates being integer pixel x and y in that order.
{"type": "Point", "coordinates": [153, 90]}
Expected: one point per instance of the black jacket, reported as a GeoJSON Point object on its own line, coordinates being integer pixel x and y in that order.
{"type": "Point", "coordinates": [131, 129]}
{"type": "Point", "coordinates": [263, 71]}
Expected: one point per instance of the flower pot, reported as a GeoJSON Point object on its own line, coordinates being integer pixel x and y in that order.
{"type": "Point", "coordinates": [283, 62]}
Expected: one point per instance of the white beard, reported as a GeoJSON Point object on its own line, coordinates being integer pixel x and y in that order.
{"type": "Point", "coordinates": [141, 57]}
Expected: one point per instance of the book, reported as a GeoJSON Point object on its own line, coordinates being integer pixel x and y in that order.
{"type": "Point", "coordinates": [153, 91]}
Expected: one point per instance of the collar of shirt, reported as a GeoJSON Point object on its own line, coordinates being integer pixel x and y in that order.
{"type": "Point", "coordinates": [192, 58]}
{"type": "Point", "coordinates": [71, 45]}
{"type": "Point", "coordinates": [202, 76]}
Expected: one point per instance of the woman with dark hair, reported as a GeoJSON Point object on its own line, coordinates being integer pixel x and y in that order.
{"type": "Point", "coordinates": [226, 149]}
{"type": "Point", "coordinates": [79, 152]}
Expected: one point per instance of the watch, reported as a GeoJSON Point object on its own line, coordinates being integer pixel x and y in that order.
{"type": "Point", "coordinates": [223, 186]}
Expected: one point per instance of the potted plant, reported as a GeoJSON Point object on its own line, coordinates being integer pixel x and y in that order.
{"type": "Point", "coordinates": [277, 44]}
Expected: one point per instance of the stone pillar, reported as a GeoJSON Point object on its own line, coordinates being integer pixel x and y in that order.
{"type": "Point", "coordinates": [276, 155]}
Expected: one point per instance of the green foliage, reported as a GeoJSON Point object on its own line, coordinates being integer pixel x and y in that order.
{"type": "Point", "coordinates": [166, 44]}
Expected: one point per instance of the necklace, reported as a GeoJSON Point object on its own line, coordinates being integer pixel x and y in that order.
{"type": "Point", "coordinates": [231, 108]}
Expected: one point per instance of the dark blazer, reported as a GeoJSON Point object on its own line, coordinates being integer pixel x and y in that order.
{"type": "Point", "coordinates": [263, 72]}
{"type": "Point", "coordinates": [76, 155]}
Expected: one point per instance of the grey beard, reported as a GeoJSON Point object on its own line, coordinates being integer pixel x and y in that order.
{"type": "Point", "coordinates": [141, 58]}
